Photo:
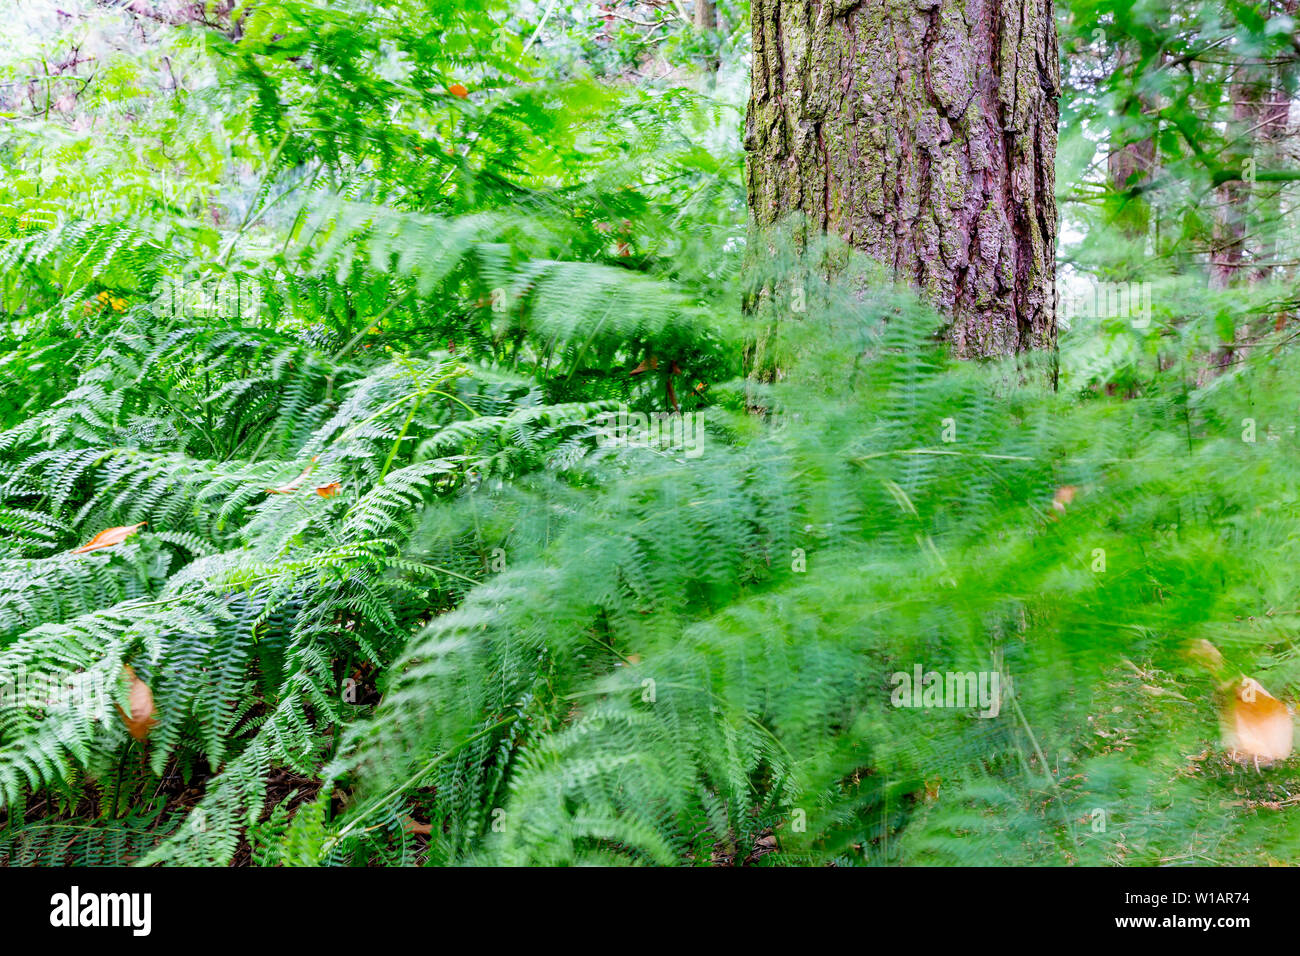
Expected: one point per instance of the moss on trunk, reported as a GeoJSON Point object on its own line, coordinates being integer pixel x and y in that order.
{"type": "Point", "coordinates": [924, 133]}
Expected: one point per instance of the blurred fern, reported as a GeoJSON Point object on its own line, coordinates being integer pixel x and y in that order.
{"type": "Point", "coordinates": [403, 595]}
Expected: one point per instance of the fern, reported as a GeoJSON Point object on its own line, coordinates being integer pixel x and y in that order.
{"type": "Point", "coordinates": [402, 595]}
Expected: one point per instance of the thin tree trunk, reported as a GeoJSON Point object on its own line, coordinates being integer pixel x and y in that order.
{"type": "Point", "coordinates": [1131, 163]}
{"type": "Point", "coordinates": [923, 133]}
{"type": "Point", "coordinates": [1247, 93]}
{"type": "Point", "coordinates": [1276, 121]}
{"type": "Point", "coordinates": [706, 19]}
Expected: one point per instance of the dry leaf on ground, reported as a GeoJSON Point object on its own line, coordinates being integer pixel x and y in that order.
{"type": "Point", "coordinates": [1257, 725]}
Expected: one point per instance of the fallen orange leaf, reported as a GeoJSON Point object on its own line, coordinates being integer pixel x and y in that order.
{"type": "Point", "coordinates": [330, 490]}
{"type": "Point", "coordinates": [109, 537]}
{"type": "Point", "coordinates": [141, 719]}
{"type": "Point", "coordinates": [1257, 725]}
{"type": "Point", "coordinates": [457, 90]}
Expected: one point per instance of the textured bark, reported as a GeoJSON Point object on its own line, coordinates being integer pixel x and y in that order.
{"type": "Point", "coordinates": [924, 133]}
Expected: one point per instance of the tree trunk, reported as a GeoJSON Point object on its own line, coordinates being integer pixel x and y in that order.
{"type": "Point", "coordinates": [1276, 121]}
{"type": "Point", "coordinates": [706, 19]}
{"type": "Point", "coordinates": [924, 133]}
{"type": "Point", "coordinates": [706, 15]}
{"type": "Point", "coordinates": [1247, 92]}
{"type": "Point", "coordinates": [1132, 158]}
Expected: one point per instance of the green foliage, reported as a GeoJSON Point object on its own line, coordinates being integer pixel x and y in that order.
{"type": "Point", "coordinates": [402, 597]}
